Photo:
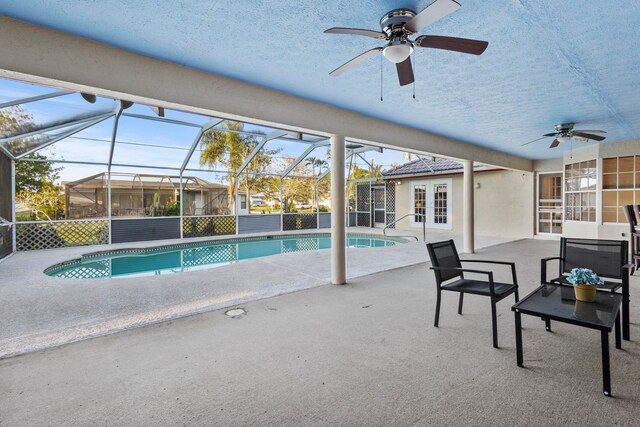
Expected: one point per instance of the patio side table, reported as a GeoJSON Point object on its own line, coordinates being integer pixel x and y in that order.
{"type": "Point", "coordinates": [557, 302]}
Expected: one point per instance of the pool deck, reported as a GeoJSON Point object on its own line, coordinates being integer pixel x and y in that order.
{"type": "Point", "coordinates": [365, 354]}
{"type": "Point", "coordinates": [41, 311]}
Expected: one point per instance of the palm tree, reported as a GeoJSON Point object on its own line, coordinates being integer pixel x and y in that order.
{"type": "Point", "coordinates": [229, 147]}
{"type": "Point", "coordinates": [315, 162]}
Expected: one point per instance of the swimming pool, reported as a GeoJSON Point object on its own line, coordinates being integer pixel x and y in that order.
{"type": "Point", "coordinates": [178, 258]}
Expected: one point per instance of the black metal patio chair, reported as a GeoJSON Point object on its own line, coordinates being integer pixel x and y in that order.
{"type": "Point", "coordinates": [632, 213]}
{"type": "Point", "coordinates": [447, 266]}
{"type": "Point", "coordinates": [607, 258]}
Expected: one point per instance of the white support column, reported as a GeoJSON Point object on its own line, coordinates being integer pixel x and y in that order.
{"type": "Point", "coordinates": [338, 230]}
{"type": "Point", "coordinates": [468, 189]}
{"type": "Point", "coordinates": [281, 207]}
{"type": "Point", "coordinates": [14, 234]}
{"type": "Point", "coordinates": [182, 214]}
{"type": "Point", "coordinates": [317, 204]}
{"type": "Point", "coordinates": [109, 216]}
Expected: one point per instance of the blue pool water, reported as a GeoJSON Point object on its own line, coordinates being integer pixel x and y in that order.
{"type": "Point", "coordinates": [197, 256]}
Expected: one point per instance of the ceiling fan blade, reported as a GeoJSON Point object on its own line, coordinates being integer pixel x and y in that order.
{"type": "Point", "coordinates": [456, 44]}
{"type": "Point", "coordinates": [355, 61]}
{"type": "Point", "coordinates": [550, 134]}
{"type": "Point", "coordinates": [430, 14]}
{"type": "Point", "coordinates": [589, 131]}
{"type": "Point", "coordinates": [357, 32]}
{"type": "Point", "coordinates": [589, 136]}
{"type": "Point", "coordinates": [405, 72]}
{"type": "Point", "coordinates": [531, 142]}
{"type": "Point", "coordinates": [555, 143]}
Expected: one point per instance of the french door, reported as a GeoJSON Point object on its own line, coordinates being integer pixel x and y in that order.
{"type": "Point", "coordinates": [431, 203]}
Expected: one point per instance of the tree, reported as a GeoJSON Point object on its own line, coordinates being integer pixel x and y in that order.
{"type": "Point", "coordinates": [35, 176]}
{"type": "Point", "coordinates": [15, 121]}
{"type": "Point", "coordinates": [321, 164]}
{"type": "Point", "coordinates": [230, 147]}
{"type": "Point", "coordinates": [45, 204]}
{"type": "Point", "coordinates": [35, 181]}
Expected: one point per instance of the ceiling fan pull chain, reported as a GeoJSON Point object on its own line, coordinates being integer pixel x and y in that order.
{"type": "Point", "coordinates": [571, 149]}
{"type": "Point", "coordinates": [380, 78]}
{"type": "Point", "coordinates": [413, 65]}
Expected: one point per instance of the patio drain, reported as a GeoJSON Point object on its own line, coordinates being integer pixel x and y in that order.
{"type": "Point", "coordinates": [235, 312]}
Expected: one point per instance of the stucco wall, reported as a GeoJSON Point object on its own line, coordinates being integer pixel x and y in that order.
{"type": "Point", "coordinates": [504, 204]}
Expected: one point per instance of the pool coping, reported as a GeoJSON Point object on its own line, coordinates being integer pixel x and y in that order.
{"type": "Point", "coordinates": [92, 256]}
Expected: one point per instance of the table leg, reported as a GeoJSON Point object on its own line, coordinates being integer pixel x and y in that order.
{"type": "Point", "coordinates": [547, 325]}
{"type": "Point", "coordinates": [625, 314]}
{"type": "Point", "coordinates": [618, 338]}
{"type": "Point", "coordinates": [606, 375]}
{"type": "Point", "coordinates": [518, 339]}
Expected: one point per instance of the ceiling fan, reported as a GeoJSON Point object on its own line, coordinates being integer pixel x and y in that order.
{"type": "Point", "coordinates": [400, 24]}
{"type": "Point", "coordinates": [565, 132]}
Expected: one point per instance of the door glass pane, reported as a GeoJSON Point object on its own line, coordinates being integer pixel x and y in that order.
{"type": "Point", "coordinates": [440, 204]}
{"type": "Point", "coordinates": [419, 202]}
{"type": "Point", "coordinates": [609, 181]}
{"type": "Point", "coordinates": [625, 180]}
{"type": "Point", "coordinates": [609, 214]}
{"type": "Point", "coordinates": [609, 198]}
{"type": "Point", "coordinates": [625, 164]}
{"type": "Point", "coordinates": [610, 165]}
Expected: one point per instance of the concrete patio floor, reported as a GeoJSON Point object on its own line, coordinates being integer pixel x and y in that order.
{"type": "Point", "coordinates": [362, 354]}
{"type": "Point", "coordinates": [41, 311]}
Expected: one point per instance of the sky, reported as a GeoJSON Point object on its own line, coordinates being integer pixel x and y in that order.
{"type": "Point", "coordinates": [141, 141]}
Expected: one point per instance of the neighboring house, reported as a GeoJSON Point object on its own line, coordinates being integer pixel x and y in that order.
{"type": "Point", "coordinates": [431, 188]}
{"type": "Point", "coordinates": [143, 195]}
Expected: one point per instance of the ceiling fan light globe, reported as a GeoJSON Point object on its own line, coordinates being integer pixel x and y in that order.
{"type": "Point", "coordinates": [564, 138]}
{"type": "Point", "coordinates": [397, 53]}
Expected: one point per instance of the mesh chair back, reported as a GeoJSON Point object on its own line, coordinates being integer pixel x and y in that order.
{"type": "Point", "coordinates": [631, 217]}
{"type": "Point", "coordinates": [604, 257]}
{"type": "Point", "coordinates": [444, 254]}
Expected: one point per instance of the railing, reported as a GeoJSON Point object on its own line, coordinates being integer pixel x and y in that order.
{"type": "Point", "coordinates": [213, 225]}
{"type": "Point", "coordinates": [424, 225]}
{"type": "Point", "coordinates": [34, 235]}
{"type": "Point", "coordinates": [299, 221]}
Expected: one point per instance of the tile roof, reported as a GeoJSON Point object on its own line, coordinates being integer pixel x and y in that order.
{"type": "Point", "coordinates": [424, 166]}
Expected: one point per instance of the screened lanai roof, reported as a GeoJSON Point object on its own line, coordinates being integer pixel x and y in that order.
{"type": "Point", "coordinates": [87, 129]}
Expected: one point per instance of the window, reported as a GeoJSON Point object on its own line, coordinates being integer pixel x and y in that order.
{"type": "Point", "coordinates": [440, 204]}
{"type": "Point", "coordinates": [620, 186]}
{"type": "Point", "coordinates": [580, 191]}
{"type": "Point", "coordinates": [419, 202]}
{"type": "Point", "coordinates": [243, 201]}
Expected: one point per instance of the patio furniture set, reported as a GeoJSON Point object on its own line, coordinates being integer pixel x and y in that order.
{"type": "Point", "coordinates": [554, 299]}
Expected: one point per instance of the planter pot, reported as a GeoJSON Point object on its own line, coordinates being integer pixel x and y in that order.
{"type": "Point", "coordinates": [585, 293]}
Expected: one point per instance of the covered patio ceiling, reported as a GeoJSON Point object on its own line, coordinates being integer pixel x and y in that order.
{"type": "Point", "coordinates": [548, 62]}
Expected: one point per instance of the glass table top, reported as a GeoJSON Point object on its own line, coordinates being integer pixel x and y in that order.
{"type": "Point", "coordinates": [559, 302]}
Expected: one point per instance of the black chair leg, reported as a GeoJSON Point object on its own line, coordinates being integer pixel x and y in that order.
{"type": "Point", "coordinates": [460, 303]}
{"type": "Point", "coordinates": [547, 325]}
{"type": "Point", "coordinates": [494, 323]}
{"type": "Point", "coordinates": [435, 323]}
{"type": "Point", "coordinates": [517, 295]}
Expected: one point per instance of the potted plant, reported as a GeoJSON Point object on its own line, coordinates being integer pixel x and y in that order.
{"type": "Point", "coordinates": [585, 284]}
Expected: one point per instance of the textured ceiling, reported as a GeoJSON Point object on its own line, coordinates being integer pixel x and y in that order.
{"type": "Point", "coordinates": [548, 61]}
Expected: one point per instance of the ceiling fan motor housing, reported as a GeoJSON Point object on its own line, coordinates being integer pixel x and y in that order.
{"type": "Point", "coordinates": [564, 127]}
{"type": "Point", "coordinates": [392, 23]}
